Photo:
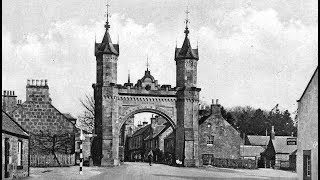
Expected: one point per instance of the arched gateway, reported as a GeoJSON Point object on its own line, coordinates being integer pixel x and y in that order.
{"type": "Point", "coordinates": [115, 103]}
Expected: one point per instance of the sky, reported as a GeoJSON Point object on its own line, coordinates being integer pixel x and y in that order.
{"type": "Point", "coordinates": [256, 53]}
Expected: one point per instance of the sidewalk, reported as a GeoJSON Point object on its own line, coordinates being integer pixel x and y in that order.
{"type": "Point", "coordinates": [68, 173]}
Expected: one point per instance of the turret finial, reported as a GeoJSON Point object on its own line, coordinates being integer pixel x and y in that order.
{"type": "Point", "coordinates": [107, 26]}
{"type": "Point", "coordinates": [148, 63]}
{"type": "Point", "coordinates": [187, 21]}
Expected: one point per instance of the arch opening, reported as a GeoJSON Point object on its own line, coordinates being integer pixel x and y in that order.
{"type": "Point", "coordinates": [143, 130]}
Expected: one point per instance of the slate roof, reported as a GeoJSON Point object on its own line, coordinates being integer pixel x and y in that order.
{"type": "Point", "coordinates": [141, 130]}
{"type": "Point", "coordinates": [106, 45]}
{"type": "Point", "coordinates": [280, 145]}
{"type": "Point", "coordinates": [171, 135]}
{"type": "Point", "coordinates": [69, 116]}
{"type": "Point", "coordinates": [158, 130]}
{"type": "Point", "coordinates": [9, 125]}
{"type": "Point", "coordinates": [186, 52]}
{"type": "Point", "coordinates": [251, 151]}
{"type": "Point", "coordinates": [258, 140]}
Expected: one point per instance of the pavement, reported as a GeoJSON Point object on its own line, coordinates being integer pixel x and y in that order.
{"type": "Point", "coordinates": [142, 171]}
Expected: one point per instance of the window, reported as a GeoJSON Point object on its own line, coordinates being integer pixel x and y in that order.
{"type": "Point", "coordinates": [19, 154]}
{"type": "Point", "coordinates": [308, 166]}
{"type": "Point", "coordinates": [210, 140]}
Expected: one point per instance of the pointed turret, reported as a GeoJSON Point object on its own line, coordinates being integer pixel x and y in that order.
{"type": "Point", "coordinates": [106, 46]}
{"type": "Point", "coordinates": [186, 51]}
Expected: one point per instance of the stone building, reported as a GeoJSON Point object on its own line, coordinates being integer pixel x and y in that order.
{"type": "Point", "coordinates": [15, 149]}
{"type": "Point", "coordinates": [43, 121]}
{"type": "Point", "coordinates": [217, 138]}
{"type": "Point", "coordinates": [307, 116]}
{"type": "Point", "coordinates": [136, 144]}
{"type": "Point", "coordinates": [115, 103]}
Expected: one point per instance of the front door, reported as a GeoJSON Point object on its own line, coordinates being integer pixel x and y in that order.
{"type": "Point", "coordinates": [307, 165]}
{"type": "Point", "coordinates": [6, 159]}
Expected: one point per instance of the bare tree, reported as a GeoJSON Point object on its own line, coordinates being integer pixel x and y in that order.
{"type": "Point", "coordinates": [86, 119]}
{"type": "Point", "coordinates": [52, 143]}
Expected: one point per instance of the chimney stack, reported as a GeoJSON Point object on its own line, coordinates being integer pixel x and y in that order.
{"type": "Point", "coordinates": [9, 101]}
{"type": "Point", "coordinates": [272, 133]}
{"type": "Point", "coordinates": [37, 91]}
{"type": "Point", "coordinates": [215, 108]}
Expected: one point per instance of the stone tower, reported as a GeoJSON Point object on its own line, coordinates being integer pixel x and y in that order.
{"type": "Point", "coordinates": [107, 58]}
{"type": "Point", "coordinates": [187, 102]}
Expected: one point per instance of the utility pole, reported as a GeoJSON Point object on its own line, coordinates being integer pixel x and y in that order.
{"type": "Point", "coordinates": [81, 156]}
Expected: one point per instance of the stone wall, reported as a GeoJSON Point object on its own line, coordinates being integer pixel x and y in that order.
{"type": "Point", "coordinates": [37, 115]}
{"type": "Point", "coordinates": [226, 140]}
{"type": "Point", "coordinates": [308, 127]}
{"type": "Point", "coordinates": [13, 155]}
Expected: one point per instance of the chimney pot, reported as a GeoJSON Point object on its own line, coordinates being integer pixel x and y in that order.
{"type": "Point", "coordinates": [217, 101]}
{"type": "Point", "coordinates": [4, 93]}
{"type": "Point", "coordinates": [28, 82]}
{"type": "Point", "coordinates": [212, 101]}
{"type": "Point", "coordinates": [46, 82]}
{"type": "Point", "coordinates": [32, 82]}
{"type": "Point", "coordinates": [13, 93]}
{"type": "Point", "coordinates": [9, 93]}
{"type": "Point", "coordinates": [37, 82]}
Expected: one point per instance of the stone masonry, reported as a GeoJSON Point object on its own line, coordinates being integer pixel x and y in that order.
{"type": "Point", "coordinates": [37, 114]}
{"type": "Point", "coordinates": [115, 103]}
{"type": "Point", "coordinates": [225, 140]}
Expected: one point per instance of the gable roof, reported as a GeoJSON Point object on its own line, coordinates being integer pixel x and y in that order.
{"type": "Point", "coordinates": [256, 140]}
{"type": "Point", "coordinates": [141, 130]}
{"type": "Point", "coordinates": [280, 145]}
{"type": "Point", "coordinates": [247, 150]}
{"type": "Point", "coordinates": [171, 135]}
{"type": "Point", "coordinates": [69, 116]}
{"type": "Point", "coordinates": [10, 126]}
{"type": "Point", "coordinates": [315, 72]}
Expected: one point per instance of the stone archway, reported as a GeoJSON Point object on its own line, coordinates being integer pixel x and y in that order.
{"type": "Point", "coordinates": [119, 138]}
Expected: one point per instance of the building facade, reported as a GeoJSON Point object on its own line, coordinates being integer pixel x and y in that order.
{"type": "Point", "coordinates": [307, 116]}
{"type": "Point", "coordinates": [15, 149]}
{"type": "Point", "coordinates": [217, 138]}
{"type": "Point", "coordinates": [44, 122]}
{"type": "Point", "coordinates": [115, 103]}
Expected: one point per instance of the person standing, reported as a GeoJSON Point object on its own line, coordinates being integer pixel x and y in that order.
{"type": "Point", "coordinates": [150, 156]}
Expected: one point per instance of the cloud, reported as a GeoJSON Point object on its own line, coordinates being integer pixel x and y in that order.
{"type": "Point", "coordinates": [248, 57]}
{"type": "Point", "coordinates": [255, 59]}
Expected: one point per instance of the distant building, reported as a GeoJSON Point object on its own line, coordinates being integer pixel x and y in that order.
{"type": "Point", "coordinates": [136, 145]}
{"type": "Point", "coordinates": [217, 138]}
{"type": "Point", "coordinates": [169, 148]}
{"type": "Point", "coordinates": [15, 149]}
{"type": "Point", "coordinates": [43, 121]}
{"type": "Point", "coordinates": [155, 140]}
{"type": "Point", "coordinates": [251, 152]}
{"type": "Point", "coordinates": [278, 151]}
{"type": "Point", "coordinates": [307, 116]}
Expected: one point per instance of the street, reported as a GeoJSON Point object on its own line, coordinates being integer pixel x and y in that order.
{"type": "Point", "coordinates": [142, 171]}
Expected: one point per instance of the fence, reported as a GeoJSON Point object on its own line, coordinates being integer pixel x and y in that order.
{"type": "Point", "coordinates": [50, 161]}
{"type": "Point", "coordinates": [232, 163]}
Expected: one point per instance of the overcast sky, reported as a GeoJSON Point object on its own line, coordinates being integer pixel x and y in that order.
{"type": "Point", "coordinates": [257, 53]}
